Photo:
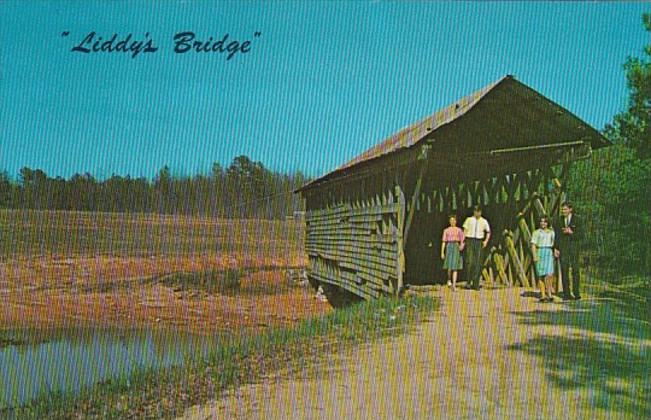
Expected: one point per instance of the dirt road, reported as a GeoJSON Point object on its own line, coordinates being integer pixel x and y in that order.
{"type": "Point", "coordinates": [488, 354]}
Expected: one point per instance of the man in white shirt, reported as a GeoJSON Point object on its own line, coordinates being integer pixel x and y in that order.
{"type": "Point", "coordinates": [477, 232]}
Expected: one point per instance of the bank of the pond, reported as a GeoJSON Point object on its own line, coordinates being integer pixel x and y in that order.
{"type": "Point", "coordinates": [35, 362]}
{"type": "Point", "coordinates": [168, 392]}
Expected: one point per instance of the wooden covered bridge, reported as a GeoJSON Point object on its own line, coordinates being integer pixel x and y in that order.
{"type": "Point", "coordinates": [374, 224]}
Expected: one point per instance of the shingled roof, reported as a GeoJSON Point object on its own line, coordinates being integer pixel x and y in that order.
{"type": "Point", "coordinates": [522, 96]}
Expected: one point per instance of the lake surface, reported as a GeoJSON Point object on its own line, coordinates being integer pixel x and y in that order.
{"type": "Point", "coordinates": [37, 363]}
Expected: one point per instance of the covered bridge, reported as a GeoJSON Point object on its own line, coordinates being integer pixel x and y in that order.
{"type": "Point", "coordinates": [374, 224]}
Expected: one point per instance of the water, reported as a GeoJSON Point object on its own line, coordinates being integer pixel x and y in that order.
{"type": "Point", "coordinates": [69, 360]}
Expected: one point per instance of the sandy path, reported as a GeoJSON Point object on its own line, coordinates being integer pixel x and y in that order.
{"type": "Point", "coordinates": [479, 356]}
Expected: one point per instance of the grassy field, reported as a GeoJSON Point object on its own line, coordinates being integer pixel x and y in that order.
{"type": "Point", "coordinates": [32, 233]}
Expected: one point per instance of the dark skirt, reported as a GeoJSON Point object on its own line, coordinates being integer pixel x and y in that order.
{"type": "Point", "coordinates": [453, 259]}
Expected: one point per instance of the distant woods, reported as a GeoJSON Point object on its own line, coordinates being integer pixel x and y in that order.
{"type": "Point", "coordinates": [613, 188]}
{"type": "Point", "coordinates": [245, 189]}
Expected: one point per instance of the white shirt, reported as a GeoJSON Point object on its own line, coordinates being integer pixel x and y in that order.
{"type": "Point", "coordinates": [543, 238]}
{"type": "Point", "coordinates": [476, 228]}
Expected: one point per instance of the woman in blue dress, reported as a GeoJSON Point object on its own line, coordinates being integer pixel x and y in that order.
{"type": "Point", "coordinates": [542, 243]}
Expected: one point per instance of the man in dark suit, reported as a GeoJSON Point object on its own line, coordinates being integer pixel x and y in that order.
{"type": "Point", "coordinates": [568, 231]}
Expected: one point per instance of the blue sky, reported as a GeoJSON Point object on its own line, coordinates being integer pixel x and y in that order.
{"type": "Point", "coordinates": [323, 82]}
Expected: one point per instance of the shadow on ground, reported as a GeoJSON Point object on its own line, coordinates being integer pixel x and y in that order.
{"type": "Point", "coordinates": [602, 350]}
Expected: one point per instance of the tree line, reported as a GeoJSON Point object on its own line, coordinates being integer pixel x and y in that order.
{"type": "Point", "coordinates": [245, 189]}
{"type": "Point", "coordinates": [613, 188]}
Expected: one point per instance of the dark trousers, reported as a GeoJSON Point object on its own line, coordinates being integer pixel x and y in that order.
{"type": "Point", "coordinates": [570, 258]}
{"type": "Point", "coordinates": [473, 261]}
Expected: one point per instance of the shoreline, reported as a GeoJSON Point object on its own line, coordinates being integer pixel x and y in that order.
{"type": "Point", "coordinates": [237, 362]}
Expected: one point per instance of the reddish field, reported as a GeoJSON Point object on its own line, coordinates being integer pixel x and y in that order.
{"type": "Point", "coordinates": [48, 280]}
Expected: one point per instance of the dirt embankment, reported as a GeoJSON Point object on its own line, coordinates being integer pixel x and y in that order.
{"type": "Point", "coordinates": [138, 291]}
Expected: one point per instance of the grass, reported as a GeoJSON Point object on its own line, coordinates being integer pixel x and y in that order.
{"type": "Point", "coordinates": [28, 233]}
{"type": "Point", "coordinates": [605, 355]}
{"type": "Point", "coordinates": [168, 392]}
{"type": "Point", "coordinates": [8, 341]}
{"type": "Point", "coordinates": [631, 295]}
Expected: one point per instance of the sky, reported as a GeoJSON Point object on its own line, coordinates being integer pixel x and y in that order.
{"type": "Point", "coordinates": [320, 83]}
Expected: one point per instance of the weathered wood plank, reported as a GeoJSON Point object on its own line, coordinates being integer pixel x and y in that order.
{"type": "Point", "coordinates": [338, 218]}
{"type": "Point", "coordinates": [379, 280]}
{"type": "Point", "coordinates": [354, 246]}
{"type": "Point", "coordinates": [351, 277]}
{"type": "Point", "coordinates": [386, 259]}
{"type": "Point", "coordinates": [400, 266]}
{"type": "Point", "coordinates": [362, 291]}
{"type": "Point", "coordinates": [332, 218]}
{"type": "Point", "coordinates": [462, 197]}
{"type": "Point", "coordinates": [330, 227]}
{"type": "Point", "coordinates": [509, 272]}
{"type": "Point", "coordinates": [358, 221]}
{"type": "Point", "coordinates": [540, 208]}
{"type": "Point", "coordinates": [378, 264]}
{"type": "Point", "coordinates": [372, 238]}
{"type": "Point", "coordinates": [525, 233]}
{"type": "Point", "coordinates": [515, 261]}
{"type": "Point", "coordinates": [375, 209]}
{"type": "Point", "coordinates": [372, 267]}
{"type": "Point", "coordinates": [516, 235]}
{"type": "Point", "coordinates": [345, 228]}
{"type": "Point", "coordinates": [360, 268]}
{"type": "Point", "coordinates": [485, 265]}
{"type": "Point", "coordinates": [391, 253]}
{"type": "Point", "coordinates": [340, 233]}
{"type": "Point", "coordinates": [355, 249]}
{"type": "Point", "coordinates": [498, 260]}
{"type": "Point", "coordinates": [373, 226]}
{"type": "Point", "coordinates": [416, 194]}
{"type": "Point", "coordinates": [366, 218]}
{"type": "Point", "coordinates": [328, 211]}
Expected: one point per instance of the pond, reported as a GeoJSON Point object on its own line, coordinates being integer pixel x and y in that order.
{"type": "Point", "coordinates": [35, 363]}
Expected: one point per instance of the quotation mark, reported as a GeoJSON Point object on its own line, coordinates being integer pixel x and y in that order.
{"type": "Point", "coordinates": [257, 34]}
{"type": "Point", "coordinates": [65, 33]}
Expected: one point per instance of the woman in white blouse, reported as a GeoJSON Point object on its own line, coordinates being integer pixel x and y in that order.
{"type": "Point", "coordinates": [542, 243]}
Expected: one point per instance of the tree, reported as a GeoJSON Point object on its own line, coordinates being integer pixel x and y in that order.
{"type": "Point", "coordinates": [217, 190]}
{"type": "Point", "coordinates": [34, 187]}
{"type": "Point", "coordinates": [633, 127]}
{"type": "Point", "coordinates": [163, 188]}
{"type": "Point", "coordinates": [84, 192]}
{"type": "Point", "coordinates": [6, 189]}
{"type": "Point", "coordinates": [613, 188]}
{"type": "Point", "coordinates": [246, 184]}
{"type": "Point", "coordinates": [245, 189]}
